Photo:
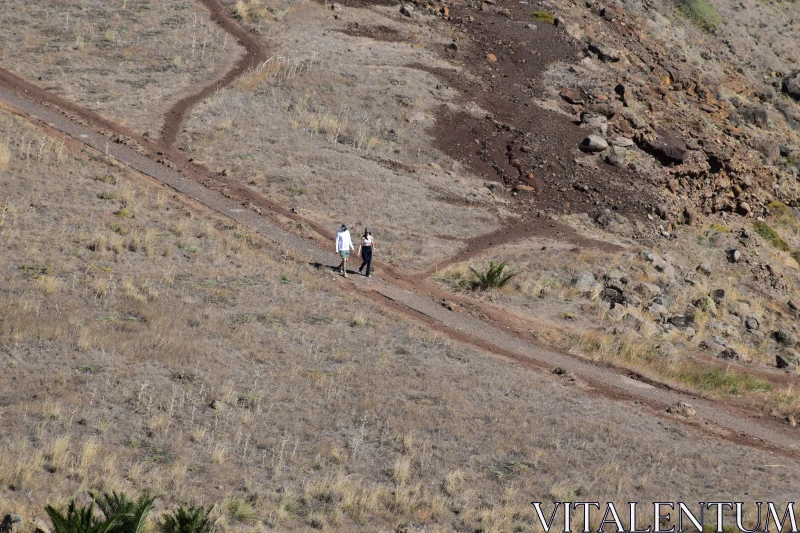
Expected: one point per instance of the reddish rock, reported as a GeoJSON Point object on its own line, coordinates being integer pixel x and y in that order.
{"type": "Point", "coordinates": [673, 185]}
{"type": "Point", "coordinates": [571, 96]}
{"type": "Point", "coordinates": [743, 209]}
{"type": "Point", "coordinates": [491, 58]}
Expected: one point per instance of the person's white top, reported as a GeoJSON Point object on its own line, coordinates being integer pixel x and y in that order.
{"type": "Point", "coordinates": [343, 241]}
{"type": "Point", "coordinates": [367, 241]}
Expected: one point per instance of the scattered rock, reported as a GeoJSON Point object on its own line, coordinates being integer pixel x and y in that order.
{"type": "Point", "coordinates": [491, 58]}
{"type": "Point", "coordinates": [336, 8]}
{"type": "Point", "coordinates": [595, 121]}
{"type": "Point", "coordinates": [593, 143]}
{"type": "Point", "coordinates": [704, 268]}
{"type": "Point", "coordinates": [39, 526]}
{"type": "Point", "coordinates": [751, 323]}
{"type": "Point", "coordinates": [586, 282]}
{"type": "Point", "coordinates": [718, 295]}
{"type": "Point", "coordinates": [407, 10]}
{"type": "Point", "coordinates": [648, 290]}
{"type": "Point", "coordinates": [793, 306]}
{"type": "Point", "coordinates": [734, 256]}
{"type": "Point", "coordinates": [658, 311]}
{"type": "Point", "coordinates": [571, 96]}
{"type": "Point", "coordinates": [622, 142]}
{"type": "Point", "coordinates": [563, 372]}
{"type": "Point", "coordinates": [728, 354]}
{"type": "Point", "coordinates": [681, 321]}
{"type": "Point", "coordinates": [666, 147]}
{"type": "Point", "coordinates": [11, 523]}
{"type": "Point", "coordinates": [743, 208]}
{"type": "Point", "coordinates": [217, 405]}
{"type": "Point", "coordinates": [791, 85]}
{"type": "Point", "coordinates": [682, 409]}
{"type": "Point", "coordinates": [605, 52]}
{"type": "Point", "coordinates": [780, 362]}
{"type": "Point", "coordinates": [667, 350]}
{"type": "Point", "coordinates": [786, 337]}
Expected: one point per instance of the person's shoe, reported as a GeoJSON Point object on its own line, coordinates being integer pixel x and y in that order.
{"type": "Point", "coordinates": [345, 274]}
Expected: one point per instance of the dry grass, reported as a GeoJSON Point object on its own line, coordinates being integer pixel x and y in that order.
{"type": "Point", "coordinates": [336, 135]}
{"type": "Point", "coordinates": [233, 375]}
{"type": "Point", "coordinates": [128, 60]}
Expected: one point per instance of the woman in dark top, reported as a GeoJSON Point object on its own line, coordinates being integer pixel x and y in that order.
{"type": "Point", "coordinates": [365, 250]}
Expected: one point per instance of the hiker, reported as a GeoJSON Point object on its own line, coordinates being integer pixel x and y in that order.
{"type": "Point", "coordinates": [343, 246]}
{"type": "Point", "coordinates": [365, 250]}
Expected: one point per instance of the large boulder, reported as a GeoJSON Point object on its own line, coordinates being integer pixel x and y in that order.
{"type": "Point", "coordinates": [593, 143]}
{"type": "Point", "coordinates": [666, 147]}
{"type": "Point", "coordinates": [786, 337]}
{"type": "Point", "coordinates": [791, 85]}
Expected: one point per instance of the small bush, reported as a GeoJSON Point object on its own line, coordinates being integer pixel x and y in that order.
{"type": "Point", "coordinates": [700, 12]}
{"type": "Point", "coordinates": [724, 381]}
{"type": "Point", "coordinates": [494, 277]}
{"type": "Point", "coordinates": [543, 16]}
{"type": "Point", "coordinates": [771, 236]}
{"type": "Point", "coordinates": [240, 510]}
{"type": "Point", "coordinates": [187, 520]}
{"type": "Point", "coordinates": [123, 212]}
{"type": "Point", "coordinates": [120, 515]}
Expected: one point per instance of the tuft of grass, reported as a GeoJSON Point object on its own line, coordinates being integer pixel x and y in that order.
{"type": "Point", "coordinates": [5, 156]}
{"type": "Point", "coordinates": [494, 277]}
{"type": "Point", "coordinates": [771, 236]}
{"type": "Point", "coordinates": [543, 16]}
{"type": "Point", "coordinates": [240, 510]}
{"type": "Point", "coordinates": [123, 212]}
{"type": "Point", "coordinates": [723, 381]}
{"type": "Point", "coordinates": [700, 12]}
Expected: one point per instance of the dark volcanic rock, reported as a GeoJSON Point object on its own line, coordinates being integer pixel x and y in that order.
{"type": "Point", "coordinates": [666, 147]}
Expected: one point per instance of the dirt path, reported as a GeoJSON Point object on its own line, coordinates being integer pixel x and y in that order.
{"type": "Point", "coordinates": [725, 421]}
{"type": "Point", "coordinates": [255, 53]}
{"type": "Point", "coordinates": [404, 294]}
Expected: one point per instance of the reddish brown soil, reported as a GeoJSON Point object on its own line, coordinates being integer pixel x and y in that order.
{"type": "Point", "coordinates": [518, 142]}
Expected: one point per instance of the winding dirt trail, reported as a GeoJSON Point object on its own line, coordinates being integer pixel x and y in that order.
{"type": "Point", "coordinates": [255, 53]}
{"type": "Point", "coordinates": [478, 324]}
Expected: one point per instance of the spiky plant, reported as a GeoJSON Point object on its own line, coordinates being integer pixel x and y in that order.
{"type": "Point", "coordinates": [79, 520]}
{"type": "Point", "coordinates": [494, 276]}
{"type": "Point", "coordinates": [187, 520]}
{"type": "Point", "coordinates": [131, 515]}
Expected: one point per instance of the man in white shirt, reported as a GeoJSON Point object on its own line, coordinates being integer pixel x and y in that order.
{"type": "Point", "coordinates": [343, 246]}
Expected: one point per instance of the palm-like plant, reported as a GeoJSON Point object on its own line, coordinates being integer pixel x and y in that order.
{"type": "Point", "coordinates": [191, 520]}
{"type": "Point", "coordinates": [120, 515]}
{"type": "Point", "coordinates": [79, 520]}
{"type": "Point", "coordinates": [130, 515]}
{"type": "Point", "coordinates": [494, 276]}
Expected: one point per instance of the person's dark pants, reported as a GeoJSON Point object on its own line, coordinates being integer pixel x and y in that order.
{"type": "Point", "coordinates": [366, 255]}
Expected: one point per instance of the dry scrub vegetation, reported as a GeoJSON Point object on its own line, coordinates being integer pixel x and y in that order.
{"type": "Point", "coordinates": [125, 59]}
{"type": "Point", "coordinates": [560, 310]}
{"type": "Point", "coordinates": [172, 352]}
{"type": "Point", "coordinates": [336, 126]}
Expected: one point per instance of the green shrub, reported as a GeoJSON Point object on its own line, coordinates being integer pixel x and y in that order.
{"type": "Point", "coordinates": [700, 12]}
{"type": "Point", "coordinates": [771, 236]}
{"type": "Point", "coordinates": [120, 515]}
{"type": "Point", "coordinates": [543, 16]}
{"type": "Point", "coordinates": [494, 276]}
{"type": "Point", "coordinates": [724, 381]}
{"type": "Point", "coordinates": [187, 520]}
